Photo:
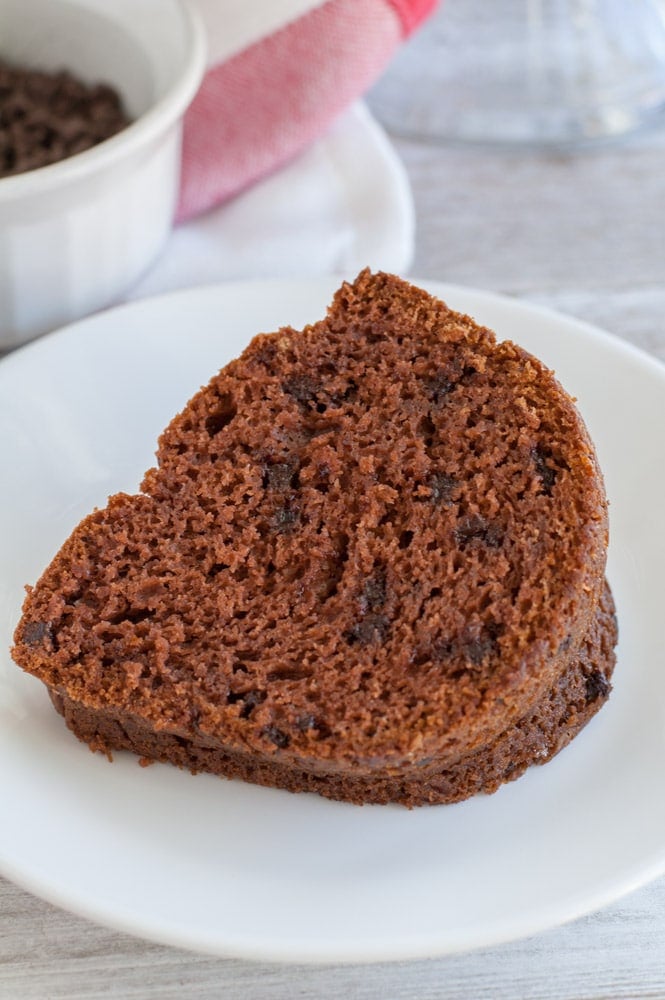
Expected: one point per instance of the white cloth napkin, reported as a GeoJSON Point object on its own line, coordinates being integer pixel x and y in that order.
{"type": "Point", "coordinates": [342, 205]}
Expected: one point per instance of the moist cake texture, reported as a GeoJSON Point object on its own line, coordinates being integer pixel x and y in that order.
{"type": "Point", "coordinates": [369, 562]}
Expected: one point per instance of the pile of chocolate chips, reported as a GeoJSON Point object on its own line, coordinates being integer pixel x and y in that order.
{"type": "Point", "coordinates": [46, 117]}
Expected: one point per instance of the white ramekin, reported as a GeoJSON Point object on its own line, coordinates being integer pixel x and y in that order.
{"type": "Point", "coordinates": [74, 236]}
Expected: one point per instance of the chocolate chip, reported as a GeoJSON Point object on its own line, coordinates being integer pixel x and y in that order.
{"type": "Point", "coordinates": [276, 736]}
{"type": "Point", "coordinates": [438, 652]}
{"type": "Point", "coordinates": [372, 628]}
{"type": "Point", "coordinates": [373, 596]}
{"type": "Point", "coordinates": [308, 723]}
{"type": "Point", "coordinates": [481, 647]}
{"type": "Point", "coordinates": [312, 396]}
{"type": "Point", "coordinates": [250, 699]}
{"type": "Point", "coordinates": [34, 633]}
{"type": "Point", "coordinates": [438, 387]}
{"type": "Point", "coordinates": [478, 529]}
{"type": "Point", "coordinates": [442, 650]}
{"type": "Point", "coordinates": [280, 475]}
{"type": "Point", "coordinates": [597, 686]}
{"type": "Point", "coordinates": [473, 648]}
{"type": "Point", "coordinates": [441, 487]}
{"type": "Point", "coordinates": [546, 473]}
{"type": "Point", "coordinates": [285, 518]}
{"type": "Point", "coordinates": [303, 388]}
{"type": "Point", "coordinates": [322, 479]}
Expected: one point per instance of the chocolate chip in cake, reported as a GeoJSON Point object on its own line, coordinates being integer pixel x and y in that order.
{"type": "Point", "coordinates": [276, 736]}
{"type": "Point", "coordinates": [307, 723]}
{"type": "Point", "coordinates": [281, 475]}
{"type": "Point", "coordinates": [304, 389]}
{"type": "Point", "coordinates": [478, 529]}
{"type": "Point", "coordinates": [250, 699]}
{"type": "Point", "coordinates": [482, 646]}
{"type": "Point", "coordinates": [372, 628]}
{"type": "Point", "coordinates": [322, 479]}
{"type": "Point", "coordinates": [438, 651]}
{"type": "Point", "coordinates": [441, 486]}
{"type": "Point", "coordinates": [547, 473]}
{"type": "Point", "coordinates": [34, 633]}
{"type": "Point", "coordinates": [373, 596]}
{"type": "Point", "coordinates": [285, 518]}
{"type": "Point", "coordinates": [597, 686]}
{"type": "Point", "coordinates": [438, 387]}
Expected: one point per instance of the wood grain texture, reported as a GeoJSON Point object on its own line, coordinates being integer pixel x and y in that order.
{"type": "Point", "coordinates": [580, 233]}
{"type": "Point", "coordinates": [617, 953]}
{"type": "Point", "coordinates": [520, 223]}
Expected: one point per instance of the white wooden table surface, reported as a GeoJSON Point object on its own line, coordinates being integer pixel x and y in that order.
{"type": "Point", "coordinates": [584, 234]}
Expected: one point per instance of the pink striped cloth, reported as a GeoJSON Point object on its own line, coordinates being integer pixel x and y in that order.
{"type": "Point", "coordinates": [264, 104]}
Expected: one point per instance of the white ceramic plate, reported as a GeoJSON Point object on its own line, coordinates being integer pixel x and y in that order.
{"type": "Point", "coordinates": [237, 870]}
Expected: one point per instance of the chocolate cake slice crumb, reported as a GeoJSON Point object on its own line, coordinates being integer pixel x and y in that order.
{"type": "Point", "coordinates": [369, 562]}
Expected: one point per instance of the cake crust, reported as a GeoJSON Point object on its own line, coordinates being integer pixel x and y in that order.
{"type": "Point", "coordinates": [575, 698]}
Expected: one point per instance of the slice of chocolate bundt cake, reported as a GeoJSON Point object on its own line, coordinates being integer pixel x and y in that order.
{"type": "Point", "coordinates": [369, 562]}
